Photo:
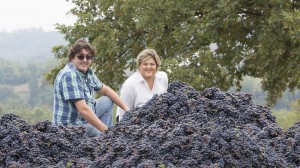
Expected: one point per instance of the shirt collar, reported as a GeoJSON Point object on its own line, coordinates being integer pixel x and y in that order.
{"type": "Point", "coordinates": [72, 67]}
{"type": "Point", "coordinates": [140, 78]}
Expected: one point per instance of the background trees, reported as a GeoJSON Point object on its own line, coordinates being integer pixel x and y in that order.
{"type": "Point", "coordinates": [287, 117]}
{"type": "Point", "coordinates": [30, 99]}
{"type": "Point", "coordinates": [26, 56]}
{"type": "Point", "coordinates": [251, 39]}
{"type": "Point", "coordinates": [254, 38]}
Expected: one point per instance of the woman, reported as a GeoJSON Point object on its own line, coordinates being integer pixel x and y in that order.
{"type": "Point", "coordinates": [144, 83]}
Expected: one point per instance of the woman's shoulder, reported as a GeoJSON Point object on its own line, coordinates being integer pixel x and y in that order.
{"type": "Point", "coordinates": [132, 79]}
{"type": "Point", "coordinates": [162, 74]}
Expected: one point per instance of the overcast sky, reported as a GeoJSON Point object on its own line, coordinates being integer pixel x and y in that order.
{"type": "Point", "coordinates": [23, 14]}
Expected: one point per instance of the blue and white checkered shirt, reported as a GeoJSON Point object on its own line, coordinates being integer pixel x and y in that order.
{"type": "Point", "coordinates": [71, 85]}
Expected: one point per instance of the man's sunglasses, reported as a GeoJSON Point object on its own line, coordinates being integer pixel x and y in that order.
{"type": "Point", "coordinates": [88, 57]}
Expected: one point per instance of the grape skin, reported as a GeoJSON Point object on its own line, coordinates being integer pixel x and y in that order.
{"type": "Point", "coordinates": [180, 128]}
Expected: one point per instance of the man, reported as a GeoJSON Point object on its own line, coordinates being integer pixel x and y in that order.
{"type": "Point", "coordinates": [74, 88]}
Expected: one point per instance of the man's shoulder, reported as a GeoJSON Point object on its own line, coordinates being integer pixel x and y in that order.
{"type": "Point", "coordinates": [65, 72]}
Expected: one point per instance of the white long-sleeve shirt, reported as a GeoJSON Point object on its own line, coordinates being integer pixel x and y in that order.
{"type": "Point", "coordinates": [135, 91]}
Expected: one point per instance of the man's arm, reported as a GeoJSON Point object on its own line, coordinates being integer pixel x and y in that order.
{"type": "Point", "coordinates": [88, 114]}
{"type": "Point", "coordinates": [107, 91]}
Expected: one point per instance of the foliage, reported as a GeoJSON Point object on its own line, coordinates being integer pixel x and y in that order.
{"type": "Point", "coordinates": [37, 107]}
{"type": "Point", "coordinates": [34, 103]}
{"type": "Point", "coordinates": [288, 118]}
{"type": "Point", "coordinates": [12, 74]}
{"type": "Point", "coordinates": [30, 114]}
{"type": "Point", "coordinates": [254, 38]}
{"type": "Point", "coordinates": [6, 93]}
{"type": "Point", "coordinates": [253, 86]}
{"type": "Point", "coordinates": [27, 57]}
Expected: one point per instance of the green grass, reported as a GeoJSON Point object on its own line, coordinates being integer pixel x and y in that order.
{"type": "Point", "coordinates": [114, 113]}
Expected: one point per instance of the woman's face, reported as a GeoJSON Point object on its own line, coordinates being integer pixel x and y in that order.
{"type": "Point", "coordinates": [148, 68]}
{"type": "Point", "coordinates": [82, 60]}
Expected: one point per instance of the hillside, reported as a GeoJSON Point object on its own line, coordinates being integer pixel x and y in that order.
{"type": "Point", "coordinates": [32, 45]}
{"type": "Point", "coordinates": [28, 55]}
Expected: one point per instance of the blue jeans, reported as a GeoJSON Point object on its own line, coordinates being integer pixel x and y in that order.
{"type": "Point", "coordinates": [103, 108]}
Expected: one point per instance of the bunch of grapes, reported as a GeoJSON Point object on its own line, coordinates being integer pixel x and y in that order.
{"type": "Point", "coordinates": [180, 128]}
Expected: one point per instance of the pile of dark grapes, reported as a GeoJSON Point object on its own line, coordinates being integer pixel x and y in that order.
{"type": "Point", "coordinates": [44, 145]}
{"type": "Point", "coordinates": [180, 128]}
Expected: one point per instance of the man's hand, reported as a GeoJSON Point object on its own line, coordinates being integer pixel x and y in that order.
{"type": "Point", "coordinates": [126, 109]}
{"type": "Point", "coordinates": [87, 113]}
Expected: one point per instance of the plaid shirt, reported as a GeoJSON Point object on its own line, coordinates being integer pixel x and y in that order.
{"type": "Point", "coordinates": [71, 85]}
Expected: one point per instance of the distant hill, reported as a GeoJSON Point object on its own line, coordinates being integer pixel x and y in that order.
{"type": "Point", "coordinates": [32, 45]}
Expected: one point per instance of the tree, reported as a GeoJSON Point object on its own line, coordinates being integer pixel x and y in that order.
{"type": "Point", "coordinates": [254, 38]}
{"type": "Point", "coordinates": [285, 118]}
{"type": "Point", "coordinates": [1, 111]}
{"type": "Point", "coordinates": [7, 92]}
{"type": "Point", "coordinates": [253, 86]}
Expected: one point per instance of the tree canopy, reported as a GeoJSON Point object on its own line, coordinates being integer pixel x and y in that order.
{"type": "Point", "coordinates": [253, 38]}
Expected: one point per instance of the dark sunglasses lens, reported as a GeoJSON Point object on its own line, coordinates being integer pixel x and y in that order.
{"type": "Point", "coordinates": [88, 57]}
{"type": "Point", "coordinates": [80, 57]}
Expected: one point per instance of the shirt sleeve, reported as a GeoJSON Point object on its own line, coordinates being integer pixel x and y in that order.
{"type": "Point", "coordinates": [165, 79]}
{"type": "Point", "coordinates": [97, 84]}
{"type": "Point", "coordinates": [71, 87]}
{"type": "Point", "coordinates": [128, 97]}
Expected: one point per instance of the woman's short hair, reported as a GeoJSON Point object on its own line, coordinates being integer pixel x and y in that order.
{"type": "Point", "coordinates": [146, 54]}
{"type": "Point", "coordinates": [78, 46]}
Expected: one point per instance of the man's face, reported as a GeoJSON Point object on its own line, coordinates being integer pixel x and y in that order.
{"type": "Point", "coordinates": [83, 60]}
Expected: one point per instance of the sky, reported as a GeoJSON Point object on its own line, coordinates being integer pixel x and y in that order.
{"type": "Point", "coordinates": [25, 14]}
